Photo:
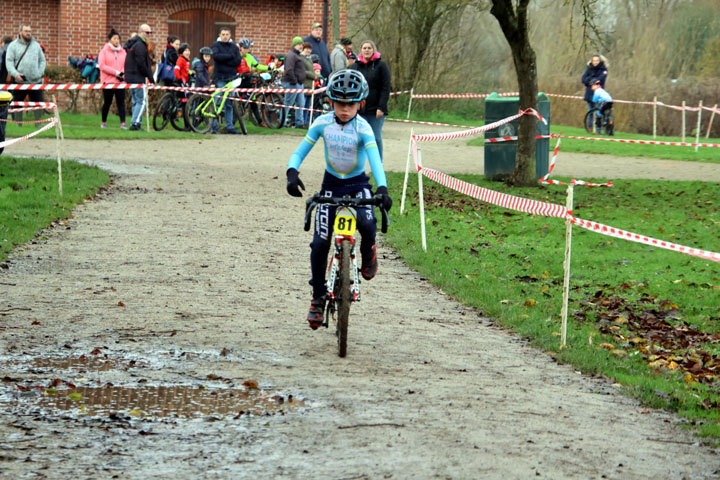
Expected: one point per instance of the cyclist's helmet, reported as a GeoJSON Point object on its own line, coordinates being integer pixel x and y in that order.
{"type": "Point", "coordinates": [314, 58]}
{"type": "Point", "coordinates": [597, 82]}
{"type": "Point", "coordinates": [206, 51]}
{"type": "Point", "coordinates": [245, 43]}
{"type": "Point", "coordinates": [347, 86]}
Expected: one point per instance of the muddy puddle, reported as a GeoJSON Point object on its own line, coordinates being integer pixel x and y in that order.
{"type": "Point", "coordinates": [37, 385]}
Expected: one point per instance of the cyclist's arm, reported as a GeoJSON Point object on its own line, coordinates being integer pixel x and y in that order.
{"type": "Point", "coordinates": [311, 138]}
{"type": "Point", "coordinates": [370, 145]}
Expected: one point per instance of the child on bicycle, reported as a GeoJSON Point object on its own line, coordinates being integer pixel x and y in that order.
{"type": "Point", "coordinates": [602, 101]}
{"type": "Point", "coordinates": [349, 143]}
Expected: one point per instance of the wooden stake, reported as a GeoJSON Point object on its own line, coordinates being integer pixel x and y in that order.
{"type": "Point", "coordinates": [59, 141]}
{"type": "Point", "coordinates": [312, 105]}
{"type": "Point", "coordinates": [697, 133]}
{"type": "Point", "coordinates": [683, 122]}
{"type": "Point", "coordinates": [712, 117]}
{"type": "Point", "coordinates": [146, 102]}
{"type": "Point", "coordinates": [412, 90]}
{"type": "Point", "coordinates": [422, 202]}
{"type": "Point", "coordinates": [654, 117]}
{"type": "Point", "coordinates": [566, 266]}
{"type": "Point", "coordinates": [407, 173]}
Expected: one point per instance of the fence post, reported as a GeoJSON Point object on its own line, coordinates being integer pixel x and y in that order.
{"type": "Point", "coordinates": [712, 117]}
{"type": "Point", "coordinates": [146, 100]}
{"type": "Point", "coordinates": [566, 266]}
{"type": "Point", "coordinates": [697, 136]}
{"type": "Point", "coordinates": [59, 141]}
{"type": "Point", "coordinates": [654, 117]}
{"type": "Point", "coordinates": [422, 202]}
{"type": "Point", "coordinates": [683, 121]}
{"type": "Point", "coordinates": [412, 92]}
{"type": "Point", "coordinates": [407, 172]}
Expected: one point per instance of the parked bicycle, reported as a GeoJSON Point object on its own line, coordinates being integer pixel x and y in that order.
{"type": "Point", "coordinates": [264, 108]}
{"type": "Point", "coordinates": [204, 108]}
{"type": "Point", "coordinates": [171, 109]}
{"type": "Point", "coordinates": [343, 281]}
{"type": "Point", "coordinates": [600, 119]}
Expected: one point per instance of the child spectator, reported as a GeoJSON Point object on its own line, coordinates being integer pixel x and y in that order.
{"type": "Point", "coordinates": [349, 144]}
{"type": "Point", "coordinates": [202, 68]}
{"type": "Point", "coordinates": [182, 66]}
{"type": "Point", "coordinates": [602, 101]}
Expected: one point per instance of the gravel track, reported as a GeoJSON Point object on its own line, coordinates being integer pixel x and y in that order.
{"type": "Point", "coordinates": [205, 252]}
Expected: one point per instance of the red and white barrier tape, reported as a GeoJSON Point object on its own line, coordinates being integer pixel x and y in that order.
{"type": "Point", "coordinates": [400, 93]}
{"type": "Point", "coordinates": [52, 122]}
{"type": "Point", "coordinates": [434, 137]}
{"type": "Point", "coordinates": [573, 181]}
{"type": "Point", "coordinates": [646, 142]}
{"type": "Point", "coordinates": [512, 139]}
{"type": "Point", "coordinates": [103, 86]}
{"type": "Point", "coordinates": [42, 120]}
{"type": "Point", "coordinates": [33, 104]}
{"type": "Point", "coordinates": [437, 124]}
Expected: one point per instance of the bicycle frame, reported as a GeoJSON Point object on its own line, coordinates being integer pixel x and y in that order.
{"type": "Point", "coordinates": [334, 265]}
{"type": "Point", "coordinates": [216, 109]}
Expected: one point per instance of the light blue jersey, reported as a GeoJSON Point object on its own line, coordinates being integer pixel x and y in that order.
{"type": "Point", "coordinates": [600, 96]}
{"type": "Point", "coordinates": [347, 148]}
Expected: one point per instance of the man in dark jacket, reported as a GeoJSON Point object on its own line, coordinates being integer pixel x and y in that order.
{"type": "Point", "coordinates": [319, 48]}
{"type": "Point", "coordinates": [293, 80]}
{"type": "Point", "coordinates": [227, 58]}
{"type": "Point", "coordinates": [138, 70]}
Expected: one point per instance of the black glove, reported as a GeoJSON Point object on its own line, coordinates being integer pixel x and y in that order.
{"type": "Point", "coordinates": [382, 193]}
{"type": "Point", "coordinates": [293, 182]}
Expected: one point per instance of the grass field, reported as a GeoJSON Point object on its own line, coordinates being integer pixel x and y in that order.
{"type": "Point", "coordinates": [29, 197]}
{"type": "Point", "coordinates": [87, 127]}
{"type": "Point", "coordinates": [646, 318]}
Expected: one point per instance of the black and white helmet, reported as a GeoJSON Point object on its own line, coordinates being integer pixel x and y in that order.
{"type": "Point", "coordinates": [347, 86]}
{"type": "Point", "coordinates": [245, 43]}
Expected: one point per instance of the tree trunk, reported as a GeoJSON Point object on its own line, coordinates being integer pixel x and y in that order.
{"type": "Point", "coordinates": [336, 22]}
{"type": "Point", "coordinates": [513, 22]}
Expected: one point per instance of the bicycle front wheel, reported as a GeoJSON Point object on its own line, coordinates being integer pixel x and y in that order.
{"type": "Point", "coordinates": [272, 110]}
{"type": "Point", "coordinates": [178, 118]}
{"type": "Point", "coordinates": [161, 116]}
{"type": "Point", "coordinates": [343, 297]}
{"type": "Point", "coordinates": [589, 121]}
{"type": "Point", "coordinates": [195, 117]}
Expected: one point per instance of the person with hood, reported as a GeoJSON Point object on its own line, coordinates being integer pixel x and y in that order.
{"type": "Point", "coordinates": [25, 63]}
{"type": "Point", "coordinates": [111, 62]}
{"type": "Point", "coordinates": [138, 70]}
{"type": "Point", "coordinates": [293, 79]}
{"type": "Point", "coordinates": [338, 57]}
{"type": "Point", "coordinates": [319, 48]}
{"type": "Point", "coordinates": [596, 71]}
{"type": "Point", "coordinates": [201, 66]}
{"type": "Point", "coordinates": [377, 74]}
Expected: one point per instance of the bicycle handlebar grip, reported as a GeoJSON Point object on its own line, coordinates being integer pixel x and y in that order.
{"type": "Point", "coordinates": [310, 204]}
{"type": "Point", "coordinates": [385, 220]}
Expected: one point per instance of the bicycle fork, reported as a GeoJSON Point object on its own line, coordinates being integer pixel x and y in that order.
{"type": "Point", "coordinates": [333, 270]}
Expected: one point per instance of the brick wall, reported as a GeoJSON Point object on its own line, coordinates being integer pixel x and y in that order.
{"type": "Point", "coordinates": [79, 27]}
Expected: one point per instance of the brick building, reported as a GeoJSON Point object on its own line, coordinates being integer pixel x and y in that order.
{"type": "Point", "coordinates": [80, 27]}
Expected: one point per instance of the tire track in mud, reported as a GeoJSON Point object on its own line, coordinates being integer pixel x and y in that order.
{"type": "Point", "coordinates": [206, 253]}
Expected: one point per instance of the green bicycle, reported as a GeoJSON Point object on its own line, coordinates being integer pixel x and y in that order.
{"type": "Point", "coordinates": [202, 109]}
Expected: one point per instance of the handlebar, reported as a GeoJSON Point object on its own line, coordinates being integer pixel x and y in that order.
{"type": "Point", "coordinates": [346, 201]}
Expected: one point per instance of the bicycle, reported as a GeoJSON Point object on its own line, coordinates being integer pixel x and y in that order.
{"type": "Point", "coordinates": [343, 282]}
{"type": "Point", "coordinates": [607, 120]}
{"type": "Point", "coordinates": [171, 108]}
{"type": "Point", "coordinates": [202, 109]}
{"type": "Point", "coordinates": [268, 109]}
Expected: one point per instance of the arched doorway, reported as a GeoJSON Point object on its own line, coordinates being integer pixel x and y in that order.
{"type": "Point", "coordinates": [199, 27]}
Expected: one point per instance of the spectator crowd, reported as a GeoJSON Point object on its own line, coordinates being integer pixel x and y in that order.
{"type": "Point", "coordinates": [307, 65]}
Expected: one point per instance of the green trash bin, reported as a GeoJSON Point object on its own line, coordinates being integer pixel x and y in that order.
{"type": "Point", "coordinates": [5, 99]}
{"type": "Point", "coordinates": [500, 156]}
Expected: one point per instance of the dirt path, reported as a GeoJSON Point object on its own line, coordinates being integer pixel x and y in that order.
{"type": "Point", "coordinates": [204, 252]}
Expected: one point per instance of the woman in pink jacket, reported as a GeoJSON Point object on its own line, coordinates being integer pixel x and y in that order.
{"type": "Point", "coordinates": [111, 62]}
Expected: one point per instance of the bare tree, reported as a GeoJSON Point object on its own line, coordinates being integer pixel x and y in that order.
{"type": "Point", "coordinates": [513, 21]}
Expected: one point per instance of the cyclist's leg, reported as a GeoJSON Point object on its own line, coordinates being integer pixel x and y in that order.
{"type": "Point", "coordinates": [320, 246]}
{"type": "Point", "coordinates": [367, 226]}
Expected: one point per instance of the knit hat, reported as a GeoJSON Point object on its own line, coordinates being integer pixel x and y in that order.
{"type": "Point", "coordinates": [297, 41]}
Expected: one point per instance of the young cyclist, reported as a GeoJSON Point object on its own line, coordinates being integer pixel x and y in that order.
{"type": "Point", "coordinates": [349, 143]}
{"type": "Point", "coordinates": [603, 102]}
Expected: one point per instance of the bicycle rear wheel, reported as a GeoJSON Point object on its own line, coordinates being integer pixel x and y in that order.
{"type": "Point", "coordinates": [590, 121]}
{"type": "Point", "coordinates": [239, 114]}
{"type": "Point", "coordinates": [161, 115]}
{"type": "Point", "coordinates": [343, 297]}
{"type": "Point", "coordinates": [272, 111]}
{"type": "Point", "coordinates": [178, 119]}
{"type": "Point", "coordinates": [195, 118]}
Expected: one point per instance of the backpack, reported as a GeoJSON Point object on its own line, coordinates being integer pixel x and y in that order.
{"type": "Point", "coordinates": [164, 72]}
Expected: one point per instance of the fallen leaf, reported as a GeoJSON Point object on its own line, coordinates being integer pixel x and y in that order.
{"type": "Point", "coordinates": [97, 351]}
{"type": "Point", "coordinates": [120, 304]}
{"type": "Point", "coordinates": [224, 352]}
{"type": "Point", "coordinates": [251, 384]}
{"type": "Point", "coordinates": [51, 391]}
{"type": "Point", "coordinates": [136, 413]}
{"type": "Point", "coordinates": [529, 303]}
{"type": "Point", "coordinates": [35, 322]}
{"type": "Point", "coordinates": [606, 346]}
{"type": "Point", "coordinates": [75, 397]}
